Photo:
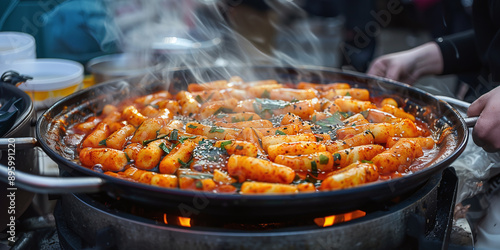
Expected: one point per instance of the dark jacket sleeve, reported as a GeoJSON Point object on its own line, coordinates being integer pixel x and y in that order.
{"type": "Point", "coordinates": [459, 52]}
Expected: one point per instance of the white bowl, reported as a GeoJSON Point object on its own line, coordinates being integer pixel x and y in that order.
{"type": "Point", "coordinates": [16, 46]}
{"type": "Point", "coordinates": [52, 80]}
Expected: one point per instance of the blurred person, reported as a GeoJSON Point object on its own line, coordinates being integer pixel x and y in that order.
{"type": "Point", "coordinates": [476, 50]}
{"type": "Point", "coordinates": [79, 30]}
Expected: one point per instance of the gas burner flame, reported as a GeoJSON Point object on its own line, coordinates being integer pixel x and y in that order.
{"type": "Point", "coordinates": [177, 220]}
{"type": "Point", "coordinates": [338, 218]}
{"type": "Point", "coordinates": [184, 221]}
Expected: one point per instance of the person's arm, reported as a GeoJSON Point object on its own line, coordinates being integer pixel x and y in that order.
{"type": "Point", "coordinates": [452, 54]}
{"type": "Point", "coordinates": [459, 53]}
{"type": "Point", "coordinates": [486, 133]}
{"type": "Point", "coordinates": [409, 65]}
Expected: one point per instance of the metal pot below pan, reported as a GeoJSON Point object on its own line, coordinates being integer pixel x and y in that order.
{"type": "Point", "coordinates": [14, 200]}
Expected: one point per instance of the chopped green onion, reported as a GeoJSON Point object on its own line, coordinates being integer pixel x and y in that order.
{"type": "Point", "coordinates": [223, 110]}
{"type": "Point", "coordinates": [183, 138]}
{"type": "Point", "coordinates": [103, 143]}
{"type": "Point", "coordinates": [192, 126]}
{"type": "Point", "coordinates": [174, 135]}
{"type": "Point", "coordinates": [256, 135]}
{"type": "Point", "coordinates": [323, 159]}
{"type": "Point", "coordinates": [154, 106]}
{"type": "Point", "coordinates": [146, 142]}
{"type": "Point", "coordinates": [266, 94]}
{"type": "Point", "coordinates": [314, 169]}
{"type": "Point", "coordinates": [344, 114]}
{"type": "Point", "coordinates": [199, 99]}
{"type": "Point", "coordinates": [164, 148]}
{"type": "Point", "coordinates": [216, 130]}
{"type": "Point", "coordinates": [370, 132]}
{"type": "Point", "coordinates": [224, 144]}
{"type": "Point", "coordinates": [347, 94]}
{"type": "Point", "coordinates": [239, 147]}
{"type": "Point", "coordinates": [237, 185]}
{"type": "Point", "coordinates": [279, 132]}
{"type": "Point", "coordinates": [336, 157]}
{"type": "Point", "coordinates": [185, 164]}
{"type": "Point", "coordinates": [365, 161]}
{"type": "Point", "coordinates": [126, 156]}
{"type": "Point", "coordinates": [198, 184]}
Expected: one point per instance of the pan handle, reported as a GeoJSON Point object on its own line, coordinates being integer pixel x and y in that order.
{"type": "Point", "coordinates": [20, 143]}
{"type": "Point", "coordinates": [42, 184]}
{"type": "Point", "coordinates": [49, 185]}
{"type": "Point", "coordinates": [469, 121]}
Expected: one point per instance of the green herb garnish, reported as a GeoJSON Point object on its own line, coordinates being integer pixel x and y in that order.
{"type": "Point", "coordinates": [146, 142]}
{"type": "Point", "coordinates": [347, 94]}
{"type": "Point", "coordinates": [185, 164]}
{"type": "Point", "coordinates": [199, 99]}
{"type": "Point", "coordinates": [250, 118]}
{"type": "Point", "coordinates": [164, 147]}
{"type": "Point", "coordinates": [223, 110]}
{"type": "Point", "coordinates": [314, 169]}
{"type": "Point", "coordinates": [216, 130]}
{"type": "Point", "coordinates": [266, 94]}
{"type": "Point", "coordinates": [239, 147]}
{"type": "Point", "coordinates": [174, 135]}
{"type": "Point", "coordinates": [268, 105]}
{"type": "Point", "coordinates": [102, 143]}
{"type": "Point", "coordinates": [344, 114]}
{"type": "Point", "coordinates": [224, 144]}
{"type": "Point", "coordinates": [198, 184]}
{"type": "Point", "coordinates": [237, 185]}
{"type": "Point", "coordinates": [365, 161]}
{"type": "Point", "coordinates": [128, 158]}
{"type": "Point", "coordinates": [154, 106]}
{"type": "Point", "coordinates": [258, 138]}
{"type": "Point", "coordinates": [183, 138]}
{"type": "Point", "coordinates": [323, 159]}
{"type": "Point", "coordinates": [192, 126]}
{"type": "Point", "coordinates": [369, 132]}
{"type": "Point", "coordinates": [334, 120]}
{"type": "Point", "coordinates": [336, 157]}
{"type": "Point", "coordinates": [279, 132]}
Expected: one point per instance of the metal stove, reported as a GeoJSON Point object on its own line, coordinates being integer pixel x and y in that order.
{"type": "Point", "coordinates": [420, 220]}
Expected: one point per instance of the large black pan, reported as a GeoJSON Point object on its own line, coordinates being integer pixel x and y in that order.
{"type": "Point", "coordinates": [75, 108]}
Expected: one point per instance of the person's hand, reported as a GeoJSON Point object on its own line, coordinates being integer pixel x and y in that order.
{"type": "Point", "coordinates": [408, 66]}
{"type": "Point", "coordinates": [486, 133]}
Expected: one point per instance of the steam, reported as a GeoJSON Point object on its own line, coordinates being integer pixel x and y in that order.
{"type": "Point", "coordinates": [207, 33]}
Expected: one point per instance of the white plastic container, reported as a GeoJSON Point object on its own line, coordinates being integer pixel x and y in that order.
{"type": "Point", "coordinates": [53, 79]}
{"type": "Point", "coordinates": [16, 46]}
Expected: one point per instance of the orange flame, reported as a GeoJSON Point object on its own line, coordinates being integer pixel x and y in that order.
{"type": "Point", "coordinates": [185, 222]}
{"type": "Point", "coordinates": [338, 218]}
{"type": "Point", "coordinates": [165, 218]}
